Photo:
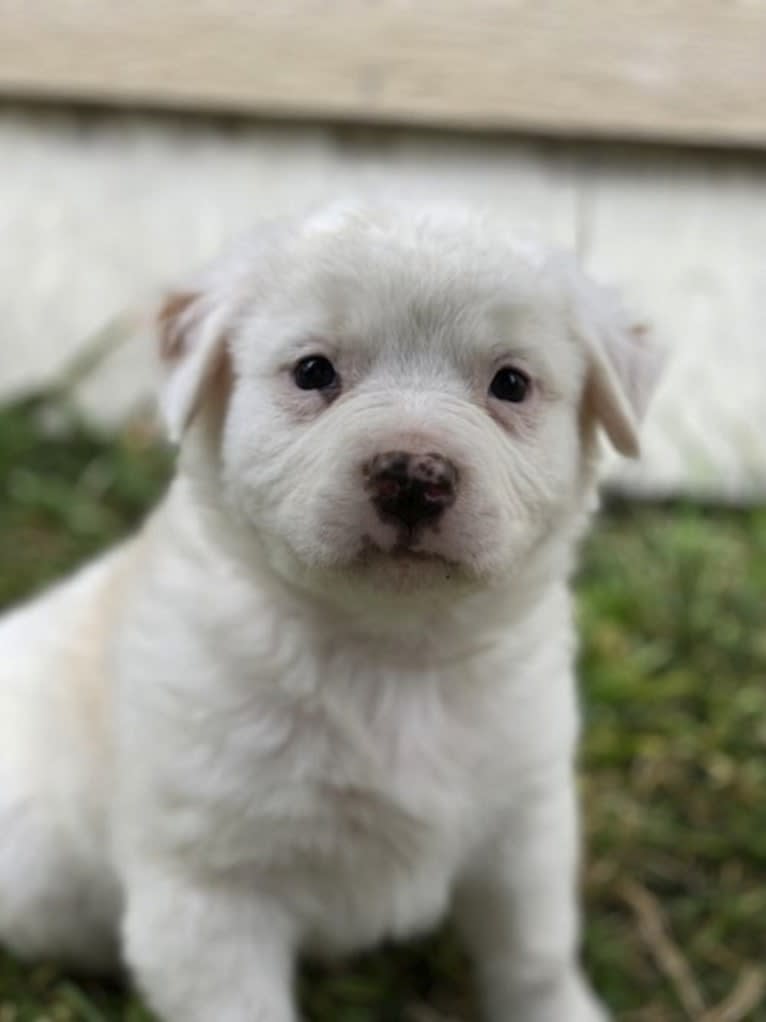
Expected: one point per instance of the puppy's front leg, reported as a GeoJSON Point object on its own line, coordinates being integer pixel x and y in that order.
{"type": "Point", "coordinates": [208, 952]}
{"type": "Point", "coordinates": [517, 908]}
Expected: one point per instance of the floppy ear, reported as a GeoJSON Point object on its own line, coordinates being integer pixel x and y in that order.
{"type": "Point", "coordinates": [192, 346]}
{"type": "Point", "coordinates": [624, 364]}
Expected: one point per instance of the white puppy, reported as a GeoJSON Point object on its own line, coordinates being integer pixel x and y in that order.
{"type": "Point", "coordinates": [326, 695]}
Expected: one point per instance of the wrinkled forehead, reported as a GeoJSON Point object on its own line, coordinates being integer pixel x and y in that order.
{"type": "Point", "coordinates": [432, 296]}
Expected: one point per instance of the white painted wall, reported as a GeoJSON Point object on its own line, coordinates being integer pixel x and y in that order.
{"type": "Point", "coordinates": [97, 211]}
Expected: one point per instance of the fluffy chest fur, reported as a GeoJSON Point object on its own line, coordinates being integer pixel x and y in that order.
{"type": "Point", "coordinates": [352, 778]}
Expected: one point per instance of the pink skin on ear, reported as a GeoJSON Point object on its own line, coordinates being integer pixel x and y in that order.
{"type": "Point", "coordinates": [170, 325]}
{"type": "Point", "coordinates": [625, 364]}
{"type": "Point", "coordinates": [625, 368]}
{"type": "Point", "coordinates": [192, 343]}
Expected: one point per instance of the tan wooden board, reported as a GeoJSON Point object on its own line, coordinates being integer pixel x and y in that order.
{"type": "Point", "coordinates": [690, 70]}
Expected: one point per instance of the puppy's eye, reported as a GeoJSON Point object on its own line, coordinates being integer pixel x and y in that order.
{"type": "Point", "coordinates": [315, 372]}
{"type": "Point", "coordinates": [510, 384]}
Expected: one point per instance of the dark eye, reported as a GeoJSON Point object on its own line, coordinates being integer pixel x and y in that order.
{"type": "Point", "coordinates": [315, 372]}
{"type": "Point", "coordinates": [510, 385]}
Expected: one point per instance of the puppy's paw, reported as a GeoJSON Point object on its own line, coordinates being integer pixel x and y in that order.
{"type": "Point", "coordinates": [569, 1001]}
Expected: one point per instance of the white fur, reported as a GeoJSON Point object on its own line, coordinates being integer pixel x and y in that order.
{"type": "Point", "coordinates": [256, 729]}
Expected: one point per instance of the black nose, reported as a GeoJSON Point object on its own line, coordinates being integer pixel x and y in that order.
{"type": "Point", "coordinates": [411, 489]}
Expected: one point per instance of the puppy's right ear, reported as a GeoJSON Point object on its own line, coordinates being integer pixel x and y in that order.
{"type": "Point", "coordinates": [624, 362]}
{"type": "Point", "coordinates": [192, 346]}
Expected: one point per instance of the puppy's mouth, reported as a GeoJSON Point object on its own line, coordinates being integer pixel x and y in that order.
{"type": "Point", "coordinates": [405, 562]}
{"type": "Point", "coordinates": [406, 555]}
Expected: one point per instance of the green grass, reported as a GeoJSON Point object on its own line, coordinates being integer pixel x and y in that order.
{"type": "Point", "coordinates": [674, 760]}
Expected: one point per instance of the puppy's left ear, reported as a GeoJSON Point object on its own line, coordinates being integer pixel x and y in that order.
{"type": "Point", "coordinates": [192, 335]}
{"type": "Point", "coordinates": [624, 366]}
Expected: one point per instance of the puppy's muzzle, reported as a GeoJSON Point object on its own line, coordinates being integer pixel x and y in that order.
{"type": "Point", "coordinates": [411, 490]}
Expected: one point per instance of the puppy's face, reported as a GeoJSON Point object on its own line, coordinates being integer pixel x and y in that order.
{"type": "Point", "coordinates": [410, 402]}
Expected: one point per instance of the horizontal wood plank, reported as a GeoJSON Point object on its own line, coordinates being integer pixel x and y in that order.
{"type": "Point", "coordinates": [686, 70]}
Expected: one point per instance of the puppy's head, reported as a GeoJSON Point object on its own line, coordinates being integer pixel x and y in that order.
{"type": "Point", "coordinates": [400, 398]}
